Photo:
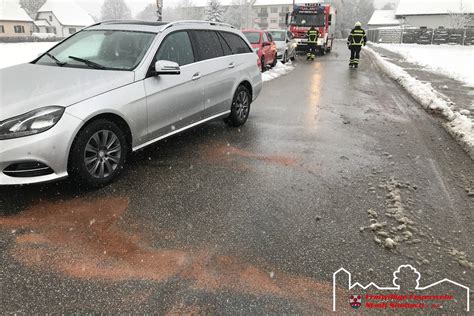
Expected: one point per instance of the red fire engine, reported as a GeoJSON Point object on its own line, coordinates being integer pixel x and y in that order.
{"type": "Point", "coordinates": [321, 16]}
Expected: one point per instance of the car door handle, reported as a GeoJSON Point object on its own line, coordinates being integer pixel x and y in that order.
{"type": "Point", "coordinates": [231, 65]}
{"type": "Point", "coordinates": [196, 76]}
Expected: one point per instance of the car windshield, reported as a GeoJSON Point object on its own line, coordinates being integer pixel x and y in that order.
{"type": "Point", "coordinates": [253, 37]}
{"type": "Point", "coordinates": [100, 49]}
{"type": "Point", "coordinates": [308, 19]}
{"type": "Point", "coordinates": [278, 36]}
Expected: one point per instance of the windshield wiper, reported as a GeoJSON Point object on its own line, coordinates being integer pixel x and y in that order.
{"type": "Point", "coordinates": [57, 61]}
{"type": "Point", "coordinates": [88, 62]}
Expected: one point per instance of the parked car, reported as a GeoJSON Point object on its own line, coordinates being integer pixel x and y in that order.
{"type": "Point", "coordinates": [79, 109]}
{"type": "Point", "coordinates": [286, 44]}
{"type": "Point", "coordinates": [263, 44]}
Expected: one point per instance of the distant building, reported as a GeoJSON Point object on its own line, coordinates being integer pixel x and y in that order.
{"type": "Point", "coordinates": [383, 18]}
{"type": "Point", "coordinates": [61, 18]}
{"type": "Point", "coordinates": [271, 14]}
{"type": "Point", "coordinates": [266, 14]}
{"type": "Point", "coordinates": [432, 13]}
{"type": "Point", "coordinates": [14, 21]}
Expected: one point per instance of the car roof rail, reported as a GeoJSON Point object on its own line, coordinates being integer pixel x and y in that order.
{"type": "Point", "coordinates": [138, 22]}
{"type": "Point", "coordinates": [197, 22]}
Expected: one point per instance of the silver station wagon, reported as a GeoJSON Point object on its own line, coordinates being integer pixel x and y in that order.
{"type": "Point", "coordinates": [115, 87]}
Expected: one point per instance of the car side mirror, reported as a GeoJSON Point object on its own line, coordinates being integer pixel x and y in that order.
{"type": "Point", "coordinates": [166, 67]}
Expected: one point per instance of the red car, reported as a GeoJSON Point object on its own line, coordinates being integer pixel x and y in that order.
{"type": "Point", "coordinates": [263, 44]}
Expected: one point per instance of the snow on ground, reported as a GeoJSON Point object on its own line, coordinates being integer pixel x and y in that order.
{"type": "Point", "coordinates": [460, 126]}
{"type": "Point", "coordinates": [277, 71]}
{"type": "Point", "coordinates": [18, 53]}
{"type": "Point", "coordinates": [454, 61]}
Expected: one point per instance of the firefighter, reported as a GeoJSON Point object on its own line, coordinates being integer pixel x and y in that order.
{"type": "Point", "coordinates": [357, 38]}
{"type": "Point", "coordinates": [313, 35]}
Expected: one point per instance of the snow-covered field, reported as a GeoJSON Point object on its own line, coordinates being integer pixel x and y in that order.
{"type": "Point", "coordinates": [460, 126]}
{"type": "Point", "coordinates": [277, 71]}
{"type": "Point", "coordinates": [18, 53]}
{"type": "Point", "coordinates": [454, 61]}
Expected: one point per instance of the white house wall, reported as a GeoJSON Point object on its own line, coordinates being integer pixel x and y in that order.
{"type": "Point", "coordinates": [53, 21]}
{"type": "Point", "coordinates": [429, 21]}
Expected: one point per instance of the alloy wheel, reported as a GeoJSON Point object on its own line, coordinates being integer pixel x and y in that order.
{"type": "Point", "coordinates": [242, 103]}
{"type": "Point", "coordinates": [102, 154]}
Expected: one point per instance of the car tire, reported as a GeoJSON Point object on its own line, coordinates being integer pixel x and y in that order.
{"type": "Point", "coordinates": [98, 153]}
{"type": "Point", "coordinates": [262, 62]}
{"type": "Point", "coordinates": [275, 60]}
{"type": "Point", "coordinates": [240, 108]}
{"type": "Point", "coordinates": [284, 59]}
{"type": "Point", "coordinates": [294, 56]}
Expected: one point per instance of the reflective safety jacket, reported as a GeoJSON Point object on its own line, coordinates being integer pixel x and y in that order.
{"type": "Point", "coordinates": [357, 37]}
{"type": "Point", "coordinates": [313, 35]}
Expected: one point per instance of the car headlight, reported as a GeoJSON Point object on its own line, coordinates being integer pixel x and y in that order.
{"type": "Point", "coordinates": [31, 123]}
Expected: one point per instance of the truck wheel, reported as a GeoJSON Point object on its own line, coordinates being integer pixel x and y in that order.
{"type": "Point", "coordinates": [240, 109]}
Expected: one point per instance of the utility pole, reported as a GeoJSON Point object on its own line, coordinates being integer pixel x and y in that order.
{"type": "Point", "coordinates": [159, 10]}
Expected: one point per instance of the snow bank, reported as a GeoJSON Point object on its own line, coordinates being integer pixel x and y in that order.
{"type": "Point", "coordinates": [18, 53]}
{"type": "Point", "coordinates": [458, 125]}
{"type": "Point", "coordinates": [279, 70]}
{"type": "Point", "coordinates": [454, 61]}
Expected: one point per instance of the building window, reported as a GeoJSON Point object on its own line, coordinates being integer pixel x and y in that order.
{"type": "Point", "coordinates": [274, 10]}
{"type": "Point", "coordinates": [285, 9]}
{"type": "Point", "coordinates": [72, 30]}
{"type": "Point", "coordinates": [2, 29]}
{"type": "Point", "coordinates": [51, 18]}
{"type": "Point", "coordinates": [273, 21]}
{"type": "Point", "coordinates": [263, 10]}
{"type": "Point", "coordinates": [19, 29]}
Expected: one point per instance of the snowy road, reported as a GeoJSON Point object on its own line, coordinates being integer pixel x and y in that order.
{"type": "Point", "coordinates": [254, 220]}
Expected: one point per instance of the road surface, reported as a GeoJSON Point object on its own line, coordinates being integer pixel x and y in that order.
{"type": "Point", "coordinates": [257, 219]}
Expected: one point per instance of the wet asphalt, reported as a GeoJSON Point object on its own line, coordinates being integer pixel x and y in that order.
{"type": "Point", "coordinates": [253, 220]}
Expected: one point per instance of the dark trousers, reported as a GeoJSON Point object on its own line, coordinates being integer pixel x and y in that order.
{"type": "Point", "coordinates": [312, 48]}
{"type": "Point", "coordinates": [355, 54]}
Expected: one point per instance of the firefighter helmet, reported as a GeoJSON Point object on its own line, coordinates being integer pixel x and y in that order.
{"type": "Point", "coordinates": [358, 24]}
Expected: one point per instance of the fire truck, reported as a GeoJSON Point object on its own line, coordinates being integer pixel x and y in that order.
{"type": "Point", "coordinates": [321, 16]}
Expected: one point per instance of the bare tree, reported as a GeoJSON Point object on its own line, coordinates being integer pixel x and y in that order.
{"type": "Point", "coordinates": [240, 13]}
{"type": "Point", "coordinates": [115, 10]}
{"type": "Point", "coordinates": [461, 18]}
{"type": "Point", "coordinates": [389, 6]}
{"type": "Point", "coordinates": [32, 6]}
{"type": "Point", "coordinates": [148, 14]}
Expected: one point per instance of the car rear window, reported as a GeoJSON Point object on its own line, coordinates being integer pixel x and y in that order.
{"type": "Point", "coordinates": [236, 43]}
{"type": "Point", "coordinates": [207, 44]}
{"type": "Point", "coordinates": [225, 45]}
{"type": "Point", "coordinates": [278, 36]}
{"type": "Point", "coordinates": [253, 37]}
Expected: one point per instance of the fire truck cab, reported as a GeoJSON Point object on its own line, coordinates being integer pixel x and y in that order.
{"type": "Point", "coordinates": [321, 16]}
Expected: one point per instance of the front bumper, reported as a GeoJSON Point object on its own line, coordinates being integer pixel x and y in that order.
{"type": "Point", "coordinates": [50, 148]}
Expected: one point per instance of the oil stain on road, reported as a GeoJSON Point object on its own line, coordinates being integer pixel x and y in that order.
{"type": "Point", "coordinates": [85, 239]}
